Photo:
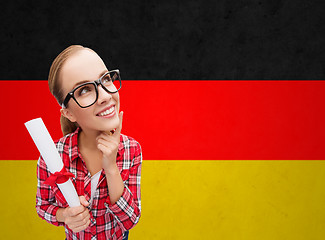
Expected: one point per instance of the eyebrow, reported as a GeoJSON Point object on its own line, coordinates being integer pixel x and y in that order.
{"type": "Point", "coordinates": [86, 81]}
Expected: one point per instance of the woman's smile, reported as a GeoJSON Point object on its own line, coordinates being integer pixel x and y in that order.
{"type": "Point", "coordinates": [108, 112]}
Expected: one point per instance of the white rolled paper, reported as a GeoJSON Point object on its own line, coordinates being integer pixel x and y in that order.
{"type": "Point", "coordinates": [47, 149]}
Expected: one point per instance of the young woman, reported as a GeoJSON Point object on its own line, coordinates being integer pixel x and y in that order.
{"type": "Point", "coordinates": [106, 164]}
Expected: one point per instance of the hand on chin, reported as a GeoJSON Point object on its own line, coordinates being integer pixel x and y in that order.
{"type": "Point", "coordinates": [111, 125]}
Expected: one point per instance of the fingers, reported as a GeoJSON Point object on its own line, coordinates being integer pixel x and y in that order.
{"type": "Point", "coordinates": [105, 142]}
{"type": "Point", "coordinates": [117, 132]}
{"type": "Point", "coordinates": [78, 213]}
{"type": "Point", "coordinates": [75, 211]}
{"type": "Point", "coordinates": [79, 224]}
{"type": "Point", "coordinates": [119, 128]}
{"type": "Point", "coordinates": [78, 218]}
{"type": "Point", "coordinates": [83, 201]}
{"type": "Point", "coordinates": [80, 227]}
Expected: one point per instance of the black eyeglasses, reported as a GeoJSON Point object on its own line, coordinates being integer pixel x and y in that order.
{"type": "Point", "coordinates": [86, 94]}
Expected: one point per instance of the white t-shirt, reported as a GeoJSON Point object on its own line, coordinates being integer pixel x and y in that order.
{"type": "Point", "coordinates": [94, 182]}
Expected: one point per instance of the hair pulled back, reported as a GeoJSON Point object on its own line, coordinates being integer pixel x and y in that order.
{"type": "Point", "coordinates": [55, 86]}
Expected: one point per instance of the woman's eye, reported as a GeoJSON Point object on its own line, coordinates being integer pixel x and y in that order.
{"type": "Point", "coordinates": [106, 80]}
{"type": "Point", "coordinates": [84, 90]}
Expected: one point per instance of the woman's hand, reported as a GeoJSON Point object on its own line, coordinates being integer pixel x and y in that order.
{"type": "Point", "coordinates": [76, 218]}
{"type": "Point", "coordinates": [108, 145]}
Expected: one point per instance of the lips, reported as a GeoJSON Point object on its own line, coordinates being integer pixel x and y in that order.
{"type": "Point", "coordinates": [107, 111]}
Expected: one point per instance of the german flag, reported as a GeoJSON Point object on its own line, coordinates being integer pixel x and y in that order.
{"type": "Point", "coordinates": [222, 159]}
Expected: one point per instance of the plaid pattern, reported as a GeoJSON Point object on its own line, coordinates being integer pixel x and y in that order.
{"type": "Point", "coordinates": [108, 221]}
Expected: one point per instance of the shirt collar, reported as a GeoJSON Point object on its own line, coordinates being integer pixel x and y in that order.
{"type": "Point", "coordinates": [74, 154]}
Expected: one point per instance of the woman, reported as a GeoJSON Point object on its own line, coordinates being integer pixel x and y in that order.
{"type": "Point", "coordinates": [106, 164]}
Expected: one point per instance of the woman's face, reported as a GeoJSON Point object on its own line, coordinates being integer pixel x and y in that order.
{"type": "Point", "coordinates": [86, 66]}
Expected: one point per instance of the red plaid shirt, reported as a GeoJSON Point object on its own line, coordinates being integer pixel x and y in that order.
{"type": "Point", "coordinates": [108, 221]}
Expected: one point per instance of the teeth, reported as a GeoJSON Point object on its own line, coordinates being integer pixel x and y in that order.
{"type": "Point", "coordinates": [108, 111]}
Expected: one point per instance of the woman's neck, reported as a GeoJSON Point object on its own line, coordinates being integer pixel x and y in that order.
{"type": "Point", "coordinates": [91, 155]}
{"type": "Point", "coordinates": [87, 140]}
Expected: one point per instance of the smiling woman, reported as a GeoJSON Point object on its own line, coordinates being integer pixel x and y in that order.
{"type": "Point", "coordinates": [93, 149]}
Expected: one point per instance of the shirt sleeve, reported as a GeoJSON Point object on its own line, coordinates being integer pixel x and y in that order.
{"type": "Point", "coordinates": [46, 205]}
{"type": "Point", "coordinates": [127, 209]}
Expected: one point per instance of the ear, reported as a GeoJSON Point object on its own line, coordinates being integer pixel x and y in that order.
{"type": "Point", "coordinates": [68, 114]}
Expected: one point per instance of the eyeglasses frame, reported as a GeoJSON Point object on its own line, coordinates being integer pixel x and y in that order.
{"type": "Point", "coordinates": [96, 83]}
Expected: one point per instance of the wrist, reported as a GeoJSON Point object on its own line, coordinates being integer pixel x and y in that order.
{"type": "Point", "coordinates": [111, 169]}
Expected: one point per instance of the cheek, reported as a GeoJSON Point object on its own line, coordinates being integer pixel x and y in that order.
{"type": "Point", "coordinates": [116, 98]}
{"type": "Point", "coordinates": [81, 114]}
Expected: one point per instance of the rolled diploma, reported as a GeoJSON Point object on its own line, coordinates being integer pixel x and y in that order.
{"type": "Point", "coordinates": [47, 149]}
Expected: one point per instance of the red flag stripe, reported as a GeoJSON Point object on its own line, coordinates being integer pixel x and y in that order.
{"type": "Point", "coordinates": [209, 120]}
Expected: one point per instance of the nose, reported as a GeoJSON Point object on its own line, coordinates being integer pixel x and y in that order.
{"type": "Point", "coordinates": [103, 96]}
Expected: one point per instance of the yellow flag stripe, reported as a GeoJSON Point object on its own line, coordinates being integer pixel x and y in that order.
{"type": "Point", "coordinates": [195, 200]}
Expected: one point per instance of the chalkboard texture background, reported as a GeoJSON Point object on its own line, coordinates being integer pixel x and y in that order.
{"type": "Point", "coordinates": [184, 40]}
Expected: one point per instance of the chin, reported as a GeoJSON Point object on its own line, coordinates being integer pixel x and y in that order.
{"type": "Point", "coordinates": [112, 125]}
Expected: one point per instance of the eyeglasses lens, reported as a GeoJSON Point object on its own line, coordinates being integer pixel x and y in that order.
{"type": "Point", "coordinates": [112, 82]}
{"type": "Point", "coordinates": [86, 94]}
